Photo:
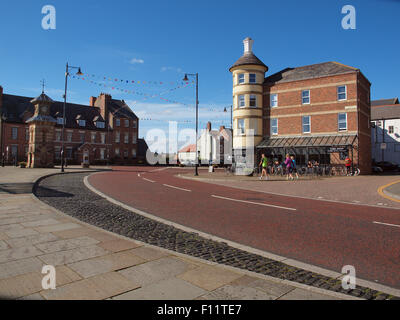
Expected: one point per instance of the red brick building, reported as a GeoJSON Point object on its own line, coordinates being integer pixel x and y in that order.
{"type": "Point", "coordinates": [106, 130]}
{"type": "Point", "coordinates": [318, 112]}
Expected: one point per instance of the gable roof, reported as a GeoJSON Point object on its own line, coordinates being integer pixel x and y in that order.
{"type": "Point", "coordinates": [189, 148]}
{"type": "Point", "coordinates": [18, 109]}
{"type": "Point", "coordinates": [383, 102]}
{"type": "Point", "coordinates": [121, 110]}
{"type": "Point", "coordinates": [309, 72]}
{"type": "Point", "coordinates": [385, 112]}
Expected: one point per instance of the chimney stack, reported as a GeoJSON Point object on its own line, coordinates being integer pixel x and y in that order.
{"type": "Point", "coordinates": [92, 101]}
{"type": "Point", "coordinates": [248, 45]}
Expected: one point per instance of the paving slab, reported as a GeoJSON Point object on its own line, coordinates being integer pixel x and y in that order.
{"type": "Point", "coordinates": [149, 253]}
{"type": "Point", "coordinates": [157, 270]}
{"type": "Point", "coordinates": [57, 227]}
{"type": "Point", "coordinates": [66, 244]}
{"type": "Point", "coordinates": [18, 253]}
{"type": "Point", "coordinates": [3, 245]}
{"type": "Point", "coordinates": [17, 233]}
{"type": "Point", "coordinates": [19, 267]}
{"type": "Point", "coordinates": [42, 222]}
{"type": "Point", "coordinates": [73, 255]}
{"type": "Point", "coordinates": [95, 288]}
{"type": "Point", "coordinates": [104, 264]}
{"type": "Point", "coordinates": [33, 240]}
{"type": "Point", "coordinates": [209, 277]}
{"type": "Point", "coordinates": [118, 245]}
{"type": "Point", "coordinates": [169, 289]}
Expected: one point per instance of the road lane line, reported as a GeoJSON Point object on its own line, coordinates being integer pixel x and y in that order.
{"type": "Point", "coordinates": [148, 180]}
{"type": "Point", "coordinates": [387, 224]}
{"type": "Point", "coordinates": [256, 203]}
{"type": "Point", "coordinates": [167, 185]}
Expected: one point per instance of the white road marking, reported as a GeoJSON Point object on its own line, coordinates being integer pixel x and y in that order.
{"type": "Point", "coordinates": [256, 203]}
{"type": "Point", "coordinates": [167, 185]}
{"type": "Point", "coordinates": [387, 224]}
{"type": "Point", "coordinates": [148, 180]}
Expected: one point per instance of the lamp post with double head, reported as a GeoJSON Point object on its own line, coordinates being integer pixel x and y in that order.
{"type": "Point", "coordinates": [196, 75]}
{"type": "Point", "coordinates": [79, 73]}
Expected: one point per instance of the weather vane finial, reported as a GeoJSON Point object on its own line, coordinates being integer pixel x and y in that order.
{"type": "Point", "coordinates": [43, 84]}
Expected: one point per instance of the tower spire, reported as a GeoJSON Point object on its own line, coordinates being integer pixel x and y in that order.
{"type": "Point", "coordinates": [43, 84]}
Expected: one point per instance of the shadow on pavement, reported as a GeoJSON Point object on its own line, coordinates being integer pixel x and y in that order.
{"type": "Point", "coordinates": [16, 188]}
{"type": "Point", "coordinates": [50, 193]}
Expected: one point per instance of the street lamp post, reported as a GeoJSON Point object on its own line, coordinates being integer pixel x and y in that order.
{"type": "Point", "coordinates": [196, 173]}
{"type": "Point", "coordinates": [79, 73]}
{"type": "Point", "coordinates": [2, 119]}
{"type": "Point", "coordinates": [225, 110]}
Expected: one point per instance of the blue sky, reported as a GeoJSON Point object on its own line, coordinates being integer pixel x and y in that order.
{"type": "Point", "coordinates": [161, 40]}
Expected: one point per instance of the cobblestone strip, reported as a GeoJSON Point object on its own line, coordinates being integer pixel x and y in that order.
{"type": "Point", "coordinates": [68, 194]}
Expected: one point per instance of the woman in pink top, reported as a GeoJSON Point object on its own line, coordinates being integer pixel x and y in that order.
{"type": "Point", "coordinates": [289, 168]}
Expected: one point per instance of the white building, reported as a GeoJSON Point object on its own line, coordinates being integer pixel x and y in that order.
{"type": "Point", "coordinates": [187, 155]}
{"type": "Point", "coordinates": [214, 146]}
{"type": "Point", "coordinates": [385, 130]}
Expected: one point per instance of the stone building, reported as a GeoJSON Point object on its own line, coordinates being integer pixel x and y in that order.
{"type": "Point", "coordinates": [318, 112]}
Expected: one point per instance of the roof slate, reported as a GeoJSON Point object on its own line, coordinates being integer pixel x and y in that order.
{"type": "Point", "coordinates": [385, 112]}
{"type": "Point", "coordinates": [18, 109]}
{"type": "Point", "coordinates": [247, 59]}
{"type": "Point", "coordinates": [309, 72]}
{"type": "Point", "coordinates": [383, 102]}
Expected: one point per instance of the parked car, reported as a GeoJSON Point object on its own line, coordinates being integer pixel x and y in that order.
{"type": "Point", "coordinates": [387, 166]}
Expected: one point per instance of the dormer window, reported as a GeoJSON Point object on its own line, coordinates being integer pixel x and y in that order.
{"type": "Point", "coordinates": [82, 123]}
{"type": "Point", "coordinates": [100, 124]}
{"type": "Point", "coordinates": [60, 120]}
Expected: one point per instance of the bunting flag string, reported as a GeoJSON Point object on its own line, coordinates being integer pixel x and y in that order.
{"type": "Point", "coordinates": [145, 95]}
{"type": "Point", "coordinates": [181, 121]}
{"type": "Point", "coordinates": [130, 81]}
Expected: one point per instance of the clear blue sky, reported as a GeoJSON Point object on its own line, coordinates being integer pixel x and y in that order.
{"type": "Point", "coordinates": [160, 40]}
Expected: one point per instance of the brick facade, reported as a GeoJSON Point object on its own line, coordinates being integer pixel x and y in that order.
{"type": "Point", "coordinates": [319, 112]}
{"type": "Point", "coordinates": [100, 143]}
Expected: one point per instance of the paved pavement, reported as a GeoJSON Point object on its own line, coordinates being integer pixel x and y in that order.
{"type": "Point", "coordinates": [320, 233]}
{"type": "Point", "coordinates": [94, 264]}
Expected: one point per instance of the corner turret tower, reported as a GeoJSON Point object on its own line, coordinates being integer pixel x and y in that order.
{"type": "Point", "coordinates": [248, 77]}
{"type": "Point", "coordinates": [41, 134]}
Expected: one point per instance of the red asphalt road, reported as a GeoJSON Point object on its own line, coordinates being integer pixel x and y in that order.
{"type": "Point", "coordinates": [325, 234]}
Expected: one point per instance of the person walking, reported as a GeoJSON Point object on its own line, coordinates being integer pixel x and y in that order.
{"type": "Point", "coordinates": [289, 168]}
{"type": "Point", "coordinates": [264, 165]}
{"type": "Point", "coordinates": [347, 163]}
{"type": "Point", "coordinates": [294, 167]}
